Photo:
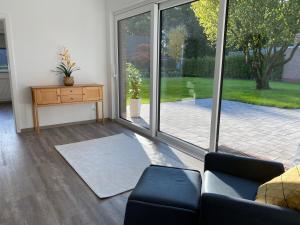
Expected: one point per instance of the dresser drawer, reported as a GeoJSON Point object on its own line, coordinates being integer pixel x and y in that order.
{"type": "Point", "coordinates": [71, 98]}
{"type": "Point", "coordinates": [47, 96]}
{"type": "Point", "coordinates": [92, 94]}
{"type": "Point", "coordinates": [71, 91]}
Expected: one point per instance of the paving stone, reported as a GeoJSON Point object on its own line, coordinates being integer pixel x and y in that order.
{"type": "Point", "coordinates": [265, 132]}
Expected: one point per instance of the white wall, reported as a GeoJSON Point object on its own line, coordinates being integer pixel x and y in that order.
{"type": "Point", "coordinates": [39, 28]}
{"type": "Point", "coordinates": [291, 71]}
{"type": "Point", "coordinates": [115, 5]}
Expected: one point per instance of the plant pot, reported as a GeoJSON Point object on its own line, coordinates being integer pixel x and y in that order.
{"type": "Point", "coordinates": [135, 107]}
{"type": "Point", "coordinates": [69, 81]}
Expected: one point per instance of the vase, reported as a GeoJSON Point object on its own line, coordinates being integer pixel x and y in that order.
{"type": "Point", "coordinates": [69, 81]}
{"type": "Point", "coordinates": [135, 108]}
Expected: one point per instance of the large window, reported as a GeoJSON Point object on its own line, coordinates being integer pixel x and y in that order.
{"type": "Point", "coordinates": [261, 81]}
{"type": "Point", "coordinates": [134, 69]}
{"type": "Point", "coordinates": [187, 62]}
{"type": "Point", "coordinates": [224, 84]}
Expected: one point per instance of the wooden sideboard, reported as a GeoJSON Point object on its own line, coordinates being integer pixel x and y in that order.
{"type": "Point", "coordinates": [44, 96]}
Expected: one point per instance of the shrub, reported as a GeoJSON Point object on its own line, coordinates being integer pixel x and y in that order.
{"type": "Point", "coordinates": [135, 81]}
{"type": "Point", "coordinates": [235, 68]}
{"type": "Point", "coordinates": [201, 67]}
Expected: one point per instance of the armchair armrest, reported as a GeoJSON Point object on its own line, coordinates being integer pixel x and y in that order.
{"type": "Point", "coordinates": [248, 168]}
{"type": "Point", "coordinates": [233, 211]}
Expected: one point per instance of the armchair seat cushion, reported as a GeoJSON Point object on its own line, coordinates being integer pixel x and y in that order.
{"type": "Point", "coordinates": [230, 186]}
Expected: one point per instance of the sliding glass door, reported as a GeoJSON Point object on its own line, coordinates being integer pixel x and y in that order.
{"type": "Point", "coordinates": [166, 67]}
{"type": "Point", "coordinates": [186, 74]}
{"type": "Point", "coordinates": [134, 44]}
{"type": "Point", "coordinates": [202, 81]}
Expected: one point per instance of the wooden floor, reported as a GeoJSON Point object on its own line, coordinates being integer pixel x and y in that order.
{"type": "Point", "coordinates": [38, 187]}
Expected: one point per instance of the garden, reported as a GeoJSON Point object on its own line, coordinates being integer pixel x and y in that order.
{"type": "Point", "coordinates": [260, 113]}
{"type": "Point", "coordinates": [253, 66]}
{"type": "Point", "coordinates": [281, 95]}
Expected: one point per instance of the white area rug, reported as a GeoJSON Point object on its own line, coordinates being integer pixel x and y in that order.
{"type": "Point", "coordinates": [111, 165]}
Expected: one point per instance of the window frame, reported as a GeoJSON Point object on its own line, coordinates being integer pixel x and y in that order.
{"type": "Point", "coordinates": [135, 11]}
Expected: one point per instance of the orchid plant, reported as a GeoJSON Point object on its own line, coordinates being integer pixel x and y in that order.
{"type": "Point", "coordinates": [66, 66]}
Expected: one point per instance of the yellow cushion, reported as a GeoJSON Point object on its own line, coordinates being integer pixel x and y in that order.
{"type": "Point", "coordinates": [283, 191]}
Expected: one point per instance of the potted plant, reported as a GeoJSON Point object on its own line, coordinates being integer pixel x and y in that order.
{"type": "Point", "coordinates": [134, 91]}
{"type": "Point", "coordinates": [66, 67]}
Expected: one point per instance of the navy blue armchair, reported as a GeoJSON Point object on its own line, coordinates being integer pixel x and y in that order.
{"type": "Point", "coordinates": [229, 189]}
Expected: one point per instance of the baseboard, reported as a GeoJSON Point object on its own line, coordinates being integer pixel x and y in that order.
{"type": "Point", "coordinates": [5, 101]}
{"type": "Point", "coordinates": [63, 125]}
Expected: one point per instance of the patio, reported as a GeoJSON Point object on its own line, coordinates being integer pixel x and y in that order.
{"type": "Point", "coordinates": [263, 132]}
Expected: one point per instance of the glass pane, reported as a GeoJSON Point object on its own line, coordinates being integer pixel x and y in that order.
{"type": "Point", "coordinates": [134, 65]}
{"type": "Point", "coordinates": [261, 90]}
{"type": "Point", "coordinates": [187, 59]}
{"type": "Point", "coordinates": [3, 53]}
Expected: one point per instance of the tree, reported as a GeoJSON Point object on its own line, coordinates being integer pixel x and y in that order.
{"type": "Point", "coordinates": [141, 58]}
{"type": "Point", "coordinates": [177, 37]}
{"type": "Point", "coordinates": [262, 29]}
{"type": "Point", "coordinates": [196, 43]}
{"type": "Point", "coordinates": [137, 25]}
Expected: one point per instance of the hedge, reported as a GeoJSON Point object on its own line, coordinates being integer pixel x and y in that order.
{"type": "Point", "coordinates": [235, 68]}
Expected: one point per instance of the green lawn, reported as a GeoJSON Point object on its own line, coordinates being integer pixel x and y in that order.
{"type": "Point", "coordinates": [282, 95]}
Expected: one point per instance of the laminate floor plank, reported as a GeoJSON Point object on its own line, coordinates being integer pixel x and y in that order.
{"type": "Point", "coordinates": [38, 187]}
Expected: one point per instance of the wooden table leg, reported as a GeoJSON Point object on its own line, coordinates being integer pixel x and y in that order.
{"type": "Point", "coordinates": [97, 111]}
{"type": "Point", "coordinates": [35, 113]}
{"type": "Point", "coordinates": [34, 117]}
{"type": "Point", "coordinates": [37, 119]}
{"type": "Point", "coordinates": [102, 112]}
